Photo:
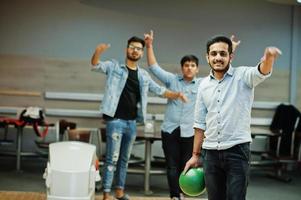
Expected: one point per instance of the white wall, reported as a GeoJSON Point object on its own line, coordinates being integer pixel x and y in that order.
{"type": "Point", "coordinates": [62, 35]}
{"type": "Point", "coordinates": [72, 28]}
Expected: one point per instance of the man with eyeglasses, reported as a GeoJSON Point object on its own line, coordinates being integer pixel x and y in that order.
{"type": "Point", "coordinates": [124, 103]}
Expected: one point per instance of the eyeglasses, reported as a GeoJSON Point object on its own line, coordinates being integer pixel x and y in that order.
{"type": "Point", "coordinates": [132, 47]}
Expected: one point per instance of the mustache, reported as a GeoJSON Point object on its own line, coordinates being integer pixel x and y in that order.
{"type": "Point", "coordinates": [218, 61]}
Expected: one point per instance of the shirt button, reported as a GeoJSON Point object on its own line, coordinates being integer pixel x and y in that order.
{"type": "Point", "coordinates": [218, 142]}
{"type": "Point", "coordinates": [218, 112]}
{"type": "Point", "coordinates": [218, 133]}
{"type": "Point", "coordinates": [217, 100]}
{"type": "Point", "coordinates": [219, 91]}
{"type": "Point", "coordinates": [218, 122]}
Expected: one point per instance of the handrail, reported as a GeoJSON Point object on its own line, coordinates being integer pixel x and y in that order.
{"type": "Point", "coordinates": [59, 112]}
{"type": "Point", "coordinates": [75, 96]}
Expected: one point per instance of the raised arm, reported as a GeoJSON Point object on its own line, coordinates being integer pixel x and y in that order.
{"type": "Point", "coordinates": [161, 74]}
{"type": "Point", "coordinates": [148, 38]}
{"type": "Point", "coordinates": [98, 51]}
{"type": "Point", "coordinates": [268, 59]}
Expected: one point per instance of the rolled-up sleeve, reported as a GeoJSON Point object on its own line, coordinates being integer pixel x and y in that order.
{"type": "Point", "coordinates": [200, 112]}
{"type": "Point", "coordinates": [103, 66]}
{"type": "Point", "coordinates": [253, 77]}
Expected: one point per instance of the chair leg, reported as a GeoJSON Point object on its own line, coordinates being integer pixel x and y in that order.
{"type": "Point", "coordinates": [5, 140]}
{"type": "Point", "coordinates": [278, 174]}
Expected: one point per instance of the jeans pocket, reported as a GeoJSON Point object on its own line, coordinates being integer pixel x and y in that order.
{"type": "Point", "coordinates": [245, 150]}
{"type": "Point", "coordinates": [203, 154]}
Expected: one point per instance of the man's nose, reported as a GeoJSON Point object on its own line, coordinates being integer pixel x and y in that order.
{"type": "Point", "coordinates": [218, 56]}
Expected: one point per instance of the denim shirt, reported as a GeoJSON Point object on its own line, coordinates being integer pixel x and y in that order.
{"type": "Point", "coordinates": [223, 107]}
{"type": "Point", "coordinates": [117, 75]}
{"type": "Point", "coordinates": [178, 114]}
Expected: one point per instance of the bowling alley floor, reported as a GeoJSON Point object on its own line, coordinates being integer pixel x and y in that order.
{"type": "Point", "coordinates": [30, 180]}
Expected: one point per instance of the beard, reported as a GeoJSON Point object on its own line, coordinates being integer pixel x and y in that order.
{"type": "Point", "coordinates": [133, 58]}
{"type": "Point", "coordinates": [218, 69]}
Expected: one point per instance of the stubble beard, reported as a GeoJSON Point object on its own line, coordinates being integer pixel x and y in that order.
{"type": "Point", "coordinates": [129, 57]}
{"type": "Point", "coordinates": [220, 70]}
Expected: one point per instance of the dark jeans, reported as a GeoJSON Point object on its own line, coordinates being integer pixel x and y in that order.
{"type": "Point", "coordinates": [177, 151]}
{"type": "Point", "coordinates": [227, 172]}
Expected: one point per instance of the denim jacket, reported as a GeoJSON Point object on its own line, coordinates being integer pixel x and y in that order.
{"type": "Point", "coordinates": [116, 78]}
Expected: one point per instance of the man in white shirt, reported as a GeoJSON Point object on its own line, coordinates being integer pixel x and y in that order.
{"type": "Point", "coordinates": [222, 119]}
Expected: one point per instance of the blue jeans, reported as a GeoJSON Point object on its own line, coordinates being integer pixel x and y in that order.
{"type": "Point", "coordinates": [227, 172]}
{"type": "Point", "coordinates": [177, 151]}
{"type": "Point", "coordinates": [120, 136]}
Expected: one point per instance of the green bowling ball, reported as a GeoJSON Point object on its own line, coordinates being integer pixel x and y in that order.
{"type": "Point", "coordinates": [193, 182]}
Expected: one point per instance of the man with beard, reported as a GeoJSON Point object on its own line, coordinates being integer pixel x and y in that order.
{"type": "Point", "coordinates": [124, 103]}
{"type": "Point", "coordinates": [177, 128]}
{"type": "Point", "coordinates": [222, 120]}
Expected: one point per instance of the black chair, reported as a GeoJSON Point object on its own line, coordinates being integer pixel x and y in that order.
{"type": "Point", "coordinates": [65, 125]}
{"type": "Point", "coordinates": [282, 146]}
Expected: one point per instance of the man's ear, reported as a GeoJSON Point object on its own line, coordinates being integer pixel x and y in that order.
{"type": "Point", "coordinates": [207, 57]}
{"type": "Point", "coordinates": [231, 57]}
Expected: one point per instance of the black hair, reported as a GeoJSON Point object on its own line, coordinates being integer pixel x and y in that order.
{"type": "Point", "coordinates": [191, 58]}
{"type": "Point", "coordinates": [220, 38]}
{"type": "Point", "coordinates": [136, 39]}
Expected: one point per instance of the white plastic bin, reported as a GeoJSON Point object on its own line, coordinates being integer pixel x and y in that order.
{"type": "Point", "coordinates": [70, 172]}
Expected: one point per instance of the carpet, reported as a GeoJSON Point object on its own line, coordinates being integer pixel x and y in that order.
{"type": "Point", "coordinates": [9, 195]}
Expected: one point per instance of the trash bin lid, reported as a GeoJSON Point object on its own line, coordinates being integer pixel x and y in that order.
{"type": "Point", "coordinates": [71, 156]}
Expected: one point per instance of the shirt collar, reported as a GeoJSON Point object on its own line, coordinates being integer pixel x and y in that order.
{"type": "Point", "coordinates": [181, 78]}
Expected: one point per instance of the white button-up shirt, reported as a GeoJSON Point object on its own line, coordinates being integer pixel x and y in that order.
{"type": "Point", "coordinates": [223, 107]}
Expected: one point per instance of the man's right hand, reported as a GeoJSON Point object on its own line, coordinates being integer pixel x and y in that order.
{"type": "Point", "coordinates": [98, 51]}
{"type": "Point", "coordinates": [182, 97]}
{"type": "Point", "coordinates": [194, 161]}
{"type": "Point", "coordinates": [102, 47]}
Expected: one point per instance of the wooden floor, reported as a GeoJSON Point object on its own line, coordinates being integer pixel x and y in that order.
{"type": "Point", "coordinates": [6, 195]}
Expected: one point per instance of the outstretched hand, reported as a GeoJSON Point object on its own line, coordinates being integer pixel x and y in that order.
{"type": "Point", "coordinates": [235, 44]}
{"type": "Point", "coordinates": [271, 52]}
{"type": "Point", "coordinates": [182, 97]}
{"type": "Point", "coordinates": [98, 51]}
{"type": "Point", "coordinates": [102, 47]}
{"type": "Point", "coordinates": [148, 38]}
